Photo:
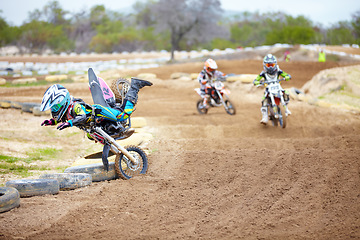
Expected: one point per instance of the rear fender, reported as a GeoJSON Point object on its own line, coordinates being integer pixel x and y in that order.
{"type": "Point", "coordinates": [198, 91]}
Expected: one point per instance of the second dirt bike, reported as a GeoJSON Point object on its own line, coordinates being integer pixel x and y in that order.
{"type": "Point", "coordinates": [275, 101]}
{"type": "Point", "coordinates": [218, 98]}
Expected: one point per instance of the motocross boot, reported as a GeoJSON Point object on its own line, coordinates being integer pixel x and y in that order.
{"type": "Point", "coordinates": [117, 131]}
{"type": "Point", "coordinates": [206, 102]}
{"type": "Point", "coordinates": [135, 86]}
{"type": "Point", "coordinates": [132, 96]}
{"type": "Point", "coordinates": [265, 117]}
{"type": "Point", "coordinates": [287, 111]}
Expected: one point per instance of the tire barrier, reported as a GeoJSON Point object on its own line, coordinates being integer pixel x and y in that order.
{"type": "Point", "coordinates": [16, 105]}
{"type": "Point", "coordinates": [244, 78]}
{"type": "Point", "coordinates": [54, 78]}
{"type": "Point", "coordinates": [69, 181]}
{"type": "Point", "coordinates": [25, 107]}
{"type": "Point", "coordinates": [24, 81]}
{"type": "Point", "coordinates": [9, 198]}
{"type": "Point", "coordinates": [36, 111]}
{"type": "Point", "coordinates": [28, 107]}
{"type": "Point", "coordinates": [2, 81]}
{"type": "Point", "coordinates": [5, 104]}
{"type": "Point", "coordinates": [136, 139]}
{"type": "Point", "coordinates": [96, 170]}
{"type": "Point", "coordinates": [138, 122]}
{"type": "Point", "coordinates": [147, 76]}
{"type": "Point", "coordinates": [34, 187]}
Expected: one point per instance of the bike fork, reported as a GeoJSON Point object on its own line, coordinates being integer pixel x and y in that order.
{"type": "Point", "coordinates": [222, 100]}
{"type": "Point", "coordinates": [116, 148]}
{"type": "Point", "coordinates": [104, 156]}
{"type": "Point", "coordinates": [273, 105]}
{"type": "Point", "coordinates": [283, 101]}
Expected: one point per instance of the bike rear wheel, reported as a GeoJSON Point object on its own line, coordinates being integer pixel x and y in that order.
{"type": "Point", "coordinates": [230, 109]}
{"type": "Point", "coordinates": [125, 169]}
{"type": "Point", "coordinates": [120, 87]}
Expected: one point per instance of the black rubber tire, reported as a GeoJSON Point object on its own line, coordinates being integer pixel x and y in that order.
{"type": "Point", "coordinates": [120, 87]}
{"type": "Point", "coordinates": [282, 116]}
{"type": "Point", "coordinates": [199, 109]}
{"type": "Point", "coordinates": [16, 105]}
{"type": "Point", "coordinates": [70, 181]}
{"type": "Point", "coordinates": [5, 104]}
{"type": "Point", "coordinates": [96, 170]}
{"type": "Point", "coordinates": [122, 165]}
{"type": "Point", "coordinates": [9, 198]}
{"type": "Point", "coordinates": [34, 187]}
{"type": "Point", "coordinates": [28, 107]}
{"type": "Point", "coordinates": [231, 109]}
{"type": "Point", "coordinates": [272, 117]}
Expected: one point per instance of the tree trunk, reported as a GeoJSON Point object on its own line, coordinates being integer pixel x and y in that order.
{"type": "Point", "coordinates": [172, 54]}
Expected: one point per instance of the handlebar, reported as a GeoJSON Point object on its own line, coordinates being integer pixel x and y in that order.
{"type": "Point", "coordinates": [262, 83]}
{"type": "Point", "coordinates": [220, 79]}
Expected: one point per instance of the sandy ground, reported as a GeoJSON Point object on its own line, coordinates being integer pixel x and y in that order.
{"type": "Point", "coordinates": [211, 176]}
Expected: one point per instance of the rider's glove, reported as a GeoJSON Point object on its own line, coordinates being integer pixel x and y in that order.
{"type": "Point", "coordinates": [222, 78]}
{"type": "Point", "coordinates": [64, 125]}
{"type": "Point", "coordinates": [287, 78]}
{"type": "Point", "coordinates": [256, 82]}
{"type": "Point", "coordinates": [49, 122]}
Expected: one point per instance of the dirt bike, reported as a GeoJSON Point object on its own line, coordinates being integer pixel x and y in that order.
{"type": "Point", "coordinates": [219, 97]}
{"type": "Point", "coordinates": [130, 160]}
{"type": "Point", "coordinates": [275, 101]}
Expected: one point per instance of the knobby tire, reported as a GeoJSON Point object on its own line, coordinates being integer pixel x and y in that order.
{"type": "Point", "coordinates": [123, 166]}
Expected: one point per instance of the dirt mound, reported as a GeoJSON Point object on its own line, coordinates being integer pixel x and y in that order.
{"type": "Point", "coordinates": [334, 79]}
{"type": "Point", "coordinates": [211, 176]}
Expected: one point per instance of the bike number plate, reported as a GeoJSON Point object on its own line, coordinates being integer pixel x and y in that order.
{"type": "Point", "coordinates": [274, 88]}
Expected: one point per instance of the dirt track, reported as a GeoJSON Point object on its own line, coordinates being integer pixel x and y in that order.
{"type": "Point", "coordinates": [214, 176]}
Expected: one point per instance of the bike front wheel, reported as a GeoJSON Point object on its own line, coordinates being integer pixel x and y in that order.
{"type": "Point", "coordinates": [282, 116]}
{"type": "Point", "coordinates": [125, 169]}
{"type": "Point", "coordinates": [272, 118]}
{"type": "Point", "coordinates": [201, 108]}
{"type": "Point", "coordinates": [229, 107]}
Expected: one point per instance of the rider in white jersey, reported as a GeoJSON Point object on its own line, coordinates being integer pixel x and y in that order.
{"type": "Point", "coordinates": [271, 70]}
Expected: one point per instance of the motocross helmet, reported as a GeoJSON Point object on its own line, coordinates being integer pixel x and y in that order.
{"type": "Point", "coordinates": [57, 98]}
{"type": "Point", "coordinates": [270, 64]}
{"type": "Point", "coordinates": [210, 66]}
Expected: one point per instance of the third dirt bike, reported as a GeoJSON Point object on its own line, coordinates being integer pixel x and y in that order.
{"type": "Point", "coordinates": [218, 98]}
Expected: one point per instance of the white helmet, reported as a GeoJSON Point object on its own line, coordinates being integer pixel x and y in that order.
{"type": "Point", "coordinates": [57, 98]}
{"type": "Point", "coordinates": [270, 64]}
{"type": "Point", "coordinates": [210, 66]}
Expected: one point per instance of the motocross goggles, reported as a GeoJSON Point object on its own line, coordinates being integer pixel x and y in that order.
{"type": "Point", "coordinates": [56, 111]}
{"type": "Point", "coordinates": [270, 64]}
{"type": "Point", "coordinates": [210, 69]}
{"type": "Point", "coordinates": [56, 108]}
